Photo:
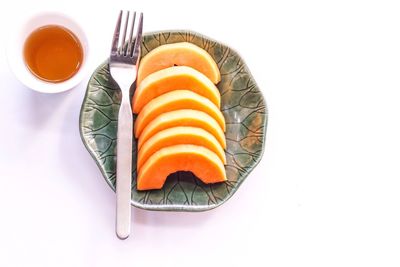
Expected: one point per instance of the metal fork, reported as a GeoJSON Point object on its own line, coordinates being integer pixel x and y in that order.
{"type": "Point", "coordinates": [123, 62]}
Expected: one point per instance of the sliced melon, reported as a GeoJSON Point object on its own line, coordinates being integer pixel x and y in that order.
{"type": "Point", "coordinates": [202, 162]}
{"type": "Point", "coordinates": [174, 100]}
{"type": "Point", "coordinates": [179, 54]}
{"type": "Point", "coordinates": [182, 117]}
{"type": "Point", "coordinates": [176, 136]}
{"type": "Point", "coordinates": [174, 78]}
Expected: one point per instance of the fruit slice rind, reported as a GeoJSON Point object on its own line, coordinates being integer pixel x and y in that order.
{"type": "Point", "coordinates": [179, 54]}
{"type": "Point", "coordinates": [202, 162]}
{"type": "Point", "coordinates": [182, 117]}
{"type": "Point", "coordinates": [174, 78]}
{"type": "Point", "coordinates": [177, 136]}
{"type": "Point", "coordinates": [175, 100]}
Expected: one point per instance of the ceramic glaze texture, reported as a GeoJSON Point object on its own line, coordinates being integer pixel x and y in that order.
{"type": "Point", "coordinates": [242, 105]}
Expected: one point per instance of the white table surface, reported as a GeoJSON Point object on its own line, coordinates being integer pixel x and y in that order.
{"type": "Point", "coordinates": [326, 193]}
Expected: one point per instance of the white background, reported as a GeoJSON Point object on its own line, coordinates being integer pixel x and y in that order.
{"type": "Point", "coordinates": [326, 193]}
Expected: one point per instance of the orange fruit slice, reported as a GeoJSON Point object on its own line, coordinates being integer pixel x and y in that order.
{"type": "Point", "coordinates": [179, 54]}
{"type": "Point", "coordinates": [174, 78]}
{"type": "Point", "coordinates": [182, 117]}
{"type": "Point", "coordinates": [174, 100]}
{"type": "Point", "coordinates": [176, 136]}
{"type": "Point", "coordinates": [202, 162]}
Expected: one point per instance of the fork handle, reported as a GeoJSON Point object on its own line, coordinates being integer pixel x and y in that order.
{"type": "Point", "coordinates": [124, 168]}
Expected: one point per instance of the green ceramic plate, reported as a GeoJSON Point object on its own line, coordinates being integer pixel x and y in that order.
{"type": "Point", "coordinates": [243, 107]}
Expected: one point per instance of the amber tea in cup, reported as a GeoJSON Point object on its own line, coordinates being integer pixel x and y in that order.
{"type": "Point", "coordinates": [53, 53]}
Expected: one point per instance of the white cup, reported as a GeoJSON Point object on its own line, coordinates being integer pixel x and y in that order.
{"type": "Point", "coordinates": [15, 55]}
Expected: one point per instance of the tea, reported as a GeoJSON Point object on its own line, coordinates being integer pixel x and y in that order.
{"type": "Point", "coordinates": [53, 53]}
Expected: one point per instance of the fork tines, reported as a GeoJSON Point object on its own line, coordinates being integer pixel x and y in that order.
{"type": "Point", "coordinates": [123, 46]}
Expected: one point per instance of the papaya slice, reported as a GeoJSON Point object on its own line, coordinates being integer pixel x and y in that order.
{"type": "Point", "coordinates": [179, 54]}
{"type": "Point", "coordinates": [182, 117]}
{"type": "Point", "coordinates": [176, 136]}
{"type": "Point", "coordinates": [174, 78]}
{"type": "Point", "coordinates": [202, 162]}
{"type": "Point", "coordinates": [174, 100]}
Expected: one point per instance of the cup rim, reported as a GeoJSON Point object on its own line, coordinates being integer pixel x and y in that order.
{"type": "Point", "coordinates": [16, 42]}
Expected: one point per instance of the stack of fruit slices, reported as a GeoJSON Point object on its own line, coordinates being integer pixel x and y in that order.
{"type": "Point", "coordinates": [179, 125]}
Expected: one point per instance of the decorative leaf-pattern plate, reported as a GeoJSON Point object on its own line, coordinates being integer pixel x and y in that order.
{"type": "Point", "coordinates": [242, 105]}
